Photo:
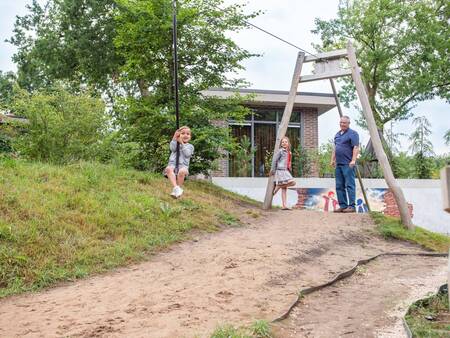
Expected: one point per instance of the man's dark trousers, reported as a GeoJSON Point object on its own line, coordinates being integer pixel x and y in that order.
{"type": "Point", "coordinates": [345, 184]}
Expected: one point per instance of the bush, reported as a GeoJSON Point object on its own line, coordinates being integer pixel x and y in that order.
{"type": "Point", "coordinates": [61, 127]}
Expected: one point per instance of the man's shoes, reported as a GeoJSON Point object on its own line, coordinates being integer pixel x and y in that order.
{"type": "Point", "coordinates": [349, 210]}
{"type": "Point", "coordinates": [340, 210]}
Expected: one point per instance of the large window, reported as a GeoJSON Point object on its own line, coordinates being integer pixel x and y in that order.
{"type": "Point", "coordinates": [257, 136]}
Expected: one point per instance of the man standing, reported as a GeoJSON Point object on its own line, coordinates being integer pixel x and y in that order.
{"type": "Point", "coordinates": [343, 159]}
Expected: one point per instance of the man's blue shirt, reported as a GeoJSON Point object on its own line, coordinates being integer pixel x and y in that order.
{"type": "Point", "coordinates": [343, 145]}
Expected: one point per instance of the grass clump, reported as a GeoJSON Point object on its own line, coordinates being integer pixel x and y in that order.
{"type": "Point", "coordinates": [390, 227]}
{"type": "Point", "coordinates": [430, 317]}
{"type": "Point", "coordinates": [59, 223]}
{"type": "Point", "coordinates": [259, 329]}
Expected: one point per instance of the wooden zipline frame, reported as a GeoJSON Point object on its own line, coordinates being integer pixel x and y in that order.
{"type": "Point", "coordinates": [329, 66]}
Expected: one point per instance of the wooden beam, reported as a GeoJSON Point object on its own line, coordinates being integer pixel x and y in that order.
{"type": "Point", "coordinates": [335, 54]}
{"type": "Point", "coordinates": [445, 183]}
{"type": "Point", "coordinates": [284, 124]}
{"type": "Point", "coordinates": [376, 140]}
{"type": "Point", "coordinates": [336, 98]}
{"type": "Point", "coordinates": [324, 76]}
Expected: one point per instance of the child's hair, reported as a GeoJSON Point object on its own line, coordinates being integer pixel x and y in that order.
{"type": "Point", "coordinates": [289, 142]}
{"type": "Point", "coordinates": [183, 127]}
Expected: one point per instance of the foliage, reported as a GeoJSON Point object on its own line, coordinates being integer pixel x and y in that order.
{"type": "Point", "coordinates": [243, 154]}
{"type": "Point", "coordinates": [259, 329]}
{"type": "Point", "coordinates": [324, 159]}
{"type": "Point", "coordinates": [61, 127]}
{"type": "Point", "coordinates": [65, 222]}
{"type": "Point", "coordinates": [303, 161]}
{"type": "Point", "coordinates": [390, 227]}
{"type": "Point", "coordinates": [427, 317]}
{"type": "Point", "coordinates": [402, 49]}
{"type": "Point", "coordinates": [447, 137]}
{"type": "Point", "coordinates": [419, 137]}
{"type": "Point", "coordinates": [7, 81]}
{"type": "Point", "coordinates": [151, 126]}
{"type": "Point", "coordinates": [206, 54]}
{"type": "Point", "coordinates": [9, 130]}
{"type": "Point", "coordinates": [133, 39]}
{"type": "Point", "coordinates": [421, 147]}
{"type": "Point", "coordinates": [403, 165]}
{"type": "Point", "coordinates": [70, 40]}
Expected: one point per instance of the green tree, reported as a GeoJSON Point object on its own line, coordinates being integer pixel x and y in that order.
{"type": "Point", "coordinates": [70, 40]}
{"type": "Point", "coordinates": [131, 42]}
{"type": "Point", "coordinates": [60, 127]}
{"type": "Point", "coordinates": [421, 147]}
{"type": "Point", "coordinates": [7, 81]}
{"type": "Point", "coordinates": [404, 165]}
{"type": "Point", "coordinates": [325, 151]}
{"type": "Point", "coordinates": [243, 154]}
{"type": "Point", "coordinates": [403, 50]}
{"type": "Point", "coordinates": [127, 44]}
{"type": "Point", "coordinates": [447, 137]}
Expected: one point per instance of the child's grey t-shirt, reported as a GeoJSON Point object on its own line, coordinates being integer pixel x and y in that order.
{"type": "Point", "coordinates": [186, 151]}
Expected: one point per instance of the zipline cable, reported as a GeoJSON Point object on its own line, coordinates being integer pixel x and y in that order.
{"type": "Point", "coordinates": [175, 79]}
{"type": "Point", "coordinates": [271, 34]}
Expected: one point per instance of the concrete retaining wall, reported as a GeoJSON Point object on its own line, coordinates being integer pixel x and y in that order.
{"type": "Point", "coordinates": [424, 195]}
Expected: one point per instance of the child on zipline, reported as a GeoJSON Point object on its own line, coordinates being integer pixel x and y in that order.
{"type": "Point", "coordinates": [176, 175]}
{"type": "Point", "coordinates": [281, 168]}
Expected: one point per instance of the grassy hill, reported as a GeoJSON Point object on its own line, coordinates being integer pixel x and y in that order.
{"type": "Point", "coordinates": [62, 223]}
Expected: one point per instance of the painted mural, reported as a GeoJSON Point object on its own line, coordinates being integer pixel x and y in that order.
{"type": "Point", "coordinates": [322, 199]}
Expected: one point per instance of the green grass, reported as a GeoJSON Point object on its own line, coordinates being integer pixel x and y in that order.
{"type": "Point", "coordinates": [430, 317]}
{"type": "Point", "coordinates": [259, 329]}
{"type": "Point", "coordinates": [390, 227]}
{"type": "Point", "coordinates": [59, 223]}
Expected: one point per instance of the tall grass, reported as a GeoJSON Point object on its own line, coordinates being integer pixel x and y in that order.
{"type": "Point", "coordinates": [390, 227]}
{"type": "Point", "coordinates": [59, 223]}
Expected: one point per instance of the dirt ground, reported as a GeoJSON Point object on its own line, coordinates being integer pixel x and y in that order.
{"type": "Point", "coordinates": [237, 276]}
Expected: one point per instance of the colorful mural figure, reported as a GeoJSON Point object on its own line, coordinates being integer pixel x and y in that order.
{"type": "Point", "coordinates": [361, 207]}
{"type": "Point", "coordinates": [330, 198]}
{"type": "Point", "coordinates": [381, 200]}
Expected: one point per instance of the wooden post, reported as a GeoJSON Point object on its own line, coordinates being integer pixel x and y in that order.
{"type": "Point", "coordinates": [376, 141]}
{"type": "Point", "coordinates": [336, 98]}
{"type": "Point", "coordinates": [284, 124]}
{"type": "Point", "coordinates": [445, 183]}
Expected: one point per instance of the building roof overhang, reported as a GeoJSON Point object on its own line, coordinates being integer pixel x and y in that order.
{"type": "Point", "coordinates": [277, 98]}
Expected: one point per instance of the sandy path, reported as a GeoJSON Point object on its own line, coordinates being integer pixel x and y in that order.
{"type": "Point", "coordinates": [234, 276]}
{"type": "Point", "coordinates": [371, 303]}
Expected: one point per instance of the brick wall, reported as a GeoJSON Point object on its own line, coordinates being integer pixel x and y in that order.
{"type": "Point", "coordinates": [391, 208]}
{"type": "Point", "coordinates": [310, 134]}
{"type": "Point", "coordinates": [302, 197]}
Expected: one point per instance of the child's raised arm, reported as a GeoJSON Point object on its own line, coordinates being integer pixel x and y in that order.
{"type": "Point", "coordinates": [173, 145]}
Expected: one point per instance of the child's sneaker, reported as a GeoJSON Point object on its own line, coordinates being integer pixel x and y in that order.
{"type": "Point", "coordinates": [174, 192]}
{"type": "Point", "coordinates": [178, 192]}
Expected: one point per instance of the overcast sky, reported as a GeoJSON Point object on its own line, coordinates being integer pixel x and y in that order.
{"type": "Point", "coordinates": [293, 20]}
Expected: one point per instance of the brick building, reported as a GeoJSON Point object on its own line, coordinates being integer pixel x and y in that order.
{"type": "Point", "coordinates": [261, 126]}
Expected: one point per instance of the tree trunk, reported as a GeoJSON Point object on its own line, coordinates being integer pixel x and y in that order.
{"type": "Point", "coordinates": [143, 88]}
{"type": "Point", "coordinates": [376, 140]}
